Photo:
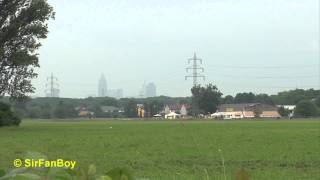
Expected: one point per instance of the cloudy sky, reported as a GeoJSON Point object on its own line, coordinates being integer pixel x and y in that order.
{"type": "Point", "coordinates": [261, 46]}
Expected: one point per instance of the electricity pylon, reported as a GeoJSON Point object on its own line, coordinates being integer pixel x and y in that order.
{"type": "Point", "coordinates": [195, 67]}
{"type": "Point", "coordinates": [52, 86]}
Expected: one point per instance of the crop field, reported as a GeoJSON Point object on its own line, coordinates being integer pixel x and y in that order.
{"type": "Point", "coordinates": [266, 150]}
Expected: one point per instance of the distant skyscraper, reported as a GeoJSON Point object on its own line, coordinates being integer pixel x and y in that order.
{"type": "Point", "coordinates": [142, 91]}
{"type": "Point", "coordinates": [150, 90]}
{"type": "Point", "coordinates": [102, 87]}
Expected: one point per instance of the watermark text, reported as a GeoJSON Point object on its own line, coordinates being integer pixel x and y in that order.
{"type": "Point", "coordinates": [42, 163]}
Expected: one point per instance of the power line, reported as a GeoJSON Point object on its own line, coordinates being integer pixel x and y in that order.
{"type": "Point", "coordinates": [288, 87]}
{"type": "Point", "coordinates": [266, 77]}
{"type": "Point", "coordinates": [268, 67]}
{"type": "Point", "coordinates": [275, 87]}
{"type": "Point", "coordinates": [240, 85]}
{"type": "Point", "coordinates": [195, 67]}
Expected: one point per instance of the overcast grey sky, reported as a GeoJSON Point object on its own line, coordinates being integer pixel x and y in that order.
{"type": "Point", "coordinates": [263, 46]}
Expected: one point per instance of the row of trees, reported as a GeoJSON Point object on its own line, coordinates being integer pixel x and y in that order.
{"type": "Point", "coordinates": [248, 98]}
{"type": "Point", "coordinates": [45, 108]}
{"type": "Point", "coordinates": [204, 100]}
{"type": "Point", "coordinates": [292, 97]}
{"type": "Point", "coordinates": [307, 108]}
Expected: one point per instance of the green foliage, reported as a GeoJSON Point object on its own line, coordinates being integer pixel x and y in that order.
{"type": "Point", "coordinates": [153, 107]}
{"type": "Point", "coordinates": [34, 112]}
{"type": "Point", "coordinates": [44, 108]}
{"type": "Point", "coordinates": [108, 101]}
{"type": "Point", "coordinates": [2, 173]}
{"type": "Point", "coordinates": [21, 176]}
{"type": "Point", "coordinates": [283, 112]}
{"type": "Point", "coordinates": [130, 108]}
{"type": "Point", "coordinates": [7, 118]}
{"type": "Point", "coordinates": [317, 101]}
{"type": "Point", "coordinates": [306, 108]}
{"type": "Point", "coordinates": [63, 110]}
{"type": "Point", "coordinates": [244, 98]}
{"type": "Point", "coordinates": [248, 98]}
{"type": "Point", "coordinates": [263, 98]}
{"type": "Point", "coordinates": [228, 100]}
{"type": "Point", "coordinates": [22, 26]}
{"type": "Point", "coordinates": [292, 97]}
{"type": "Point", "coordinates": [205, 99]}
{"type": "Point", "coordinates": [120, 174]}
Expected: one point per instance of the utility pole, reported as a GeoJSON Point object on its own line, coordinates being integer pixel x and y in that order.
{"type": "Point", "coordinates": [195, 67]}
{"type": "Point", "coordinates": [52, 86]}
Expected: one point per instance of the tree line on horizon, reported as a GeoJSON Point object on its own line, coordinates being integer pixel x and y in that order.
{"type": "Point", "coordinates": [204, 99]}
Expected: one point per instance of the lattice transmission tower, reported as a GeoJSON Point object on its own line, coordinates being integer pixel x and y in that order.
{"type": "Point", "coordinates": [195, 67]}
{"type": "Point", "coordinates": [52, 87]}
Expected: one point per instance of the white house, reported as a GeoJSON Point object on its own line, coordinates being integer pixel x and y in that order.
{"type": "Point", "coordinates": [251, 110]}
{"type": "Point", "coordinates": [183, 111]}
{"type": "Point", "coordinates": [172, 115]}
{"type": "Point", "coordinates": [288, 107]}
{"type": "Point", "coordinates": [166, 109]}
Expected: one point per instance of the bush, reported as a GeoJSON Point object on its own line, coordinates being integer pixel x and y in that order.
{"type": "Point", "coordinates": [306, 108]}
{"type": "Point", "coordinates": [283, 112]}
{"type": "Point", "coordinates": [63, 110]}
{"type": "Point", "coordinates": [7, 118]}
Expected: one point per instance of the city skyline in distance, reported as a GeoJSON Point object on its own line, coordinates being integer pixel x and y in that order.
{"type": "Point", "coordinates": [264, 46]}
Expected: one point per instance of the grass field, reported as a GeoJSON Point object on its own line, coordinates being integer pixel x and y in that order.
{"type": "Point", "coordinates": [267, 150]}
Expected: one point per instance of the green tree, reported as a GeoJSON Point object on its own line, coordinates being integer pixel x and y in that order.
{"type": "Point", "coordinates": [295, 96]}
{"type": "Point", "coordinates": [22, 25]}
{"type": "Point", "coordinates": [228, 100]}
{"type": "Point", "coordinates": [205, 99]}
{"type": "Point", "coordinates": [244, 98]}
{"type": "Point", "coordinates": [63, 110]}
{"type": "Point", "coordinates": [6, 116]}
{"type": "Point", "coordinates": [19, 107]}
{"type": "Point", "coordinates": [34, 112]}
{"type": "Point", "coordinates": [153, 107]}
{"type": "Point", "coordinates": [96, 108]}
{"type": "Point", "coordinates": [263, 98]}
{"type": "Point", "coordinates": [109, 101]}
{"type": "Point", "coordinates": [130, 108]}
{"type": "Point", "coordinates": [283, 112]}
{"type": "Point", "coordinates": [306, 108]}
{"type": "Point", "coordinates": [317, 101]}
{"type": "Point", "coordinates": [46, 111]}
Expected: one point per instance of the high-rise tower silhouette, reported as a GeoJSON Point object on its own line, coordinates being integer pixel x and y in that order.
{"type": "Point", "coordinates": [102, 87]}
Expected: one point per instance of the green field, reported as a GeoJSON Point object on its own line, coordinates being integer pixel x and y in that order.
{"type": "Point", "coordinates": [167, 150]}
